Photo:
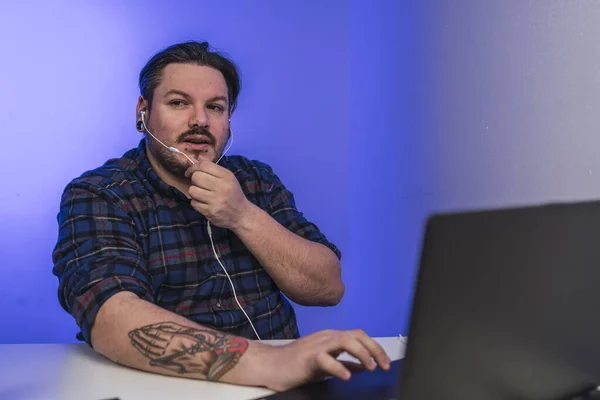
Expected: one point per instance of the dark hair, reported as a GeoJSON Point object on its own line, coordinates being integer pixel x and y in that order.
{"type": "Point", "coordinates": [189, 53]}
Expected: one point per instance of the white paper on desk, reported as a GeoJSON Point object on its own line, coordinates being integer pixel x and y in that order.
{"type": "Point", "coordinates": [394, 347]}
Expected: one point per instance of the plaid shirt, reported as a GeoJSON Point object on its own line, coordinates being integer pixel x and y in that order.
{"type": "Point", "coordinates": [121, 228]}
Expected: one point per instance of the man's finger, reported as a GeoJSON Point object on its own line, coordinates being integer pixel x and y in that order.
{"type": "Point", "coordinates": [353, 366]}
{"type": "Point", "coordinates": [194, 167]}
{"type": "Point", "coordinates": [202, 208]}
{"type": "Point", "coordinates": [214, 169]}
{"type": "Point", "coordinates": [200, 194]}
{"type": "Point", "coordinates": [207, 167]}
{"type": "Point", "coordinates": [204, 180]}
{"type": "Point", "coordinates": [326, 363]}
{"type": "Point", "coordinates": [355, 348]}
{"type": "Point", "coordinates": [374, 349]}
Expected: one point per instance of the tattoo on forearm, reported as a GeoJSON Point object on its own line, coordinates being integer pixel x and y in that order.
{"type": "Point", "coordinates": [187, 350]}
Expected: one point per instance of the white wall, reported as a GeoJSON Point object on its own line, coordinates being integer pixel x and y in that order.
{"type": "Point", "coordinates": [513, 101]}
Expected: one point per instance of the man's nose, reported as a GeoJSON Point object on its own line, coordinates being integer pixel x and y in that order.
{"type": "Point", "coordinates": [199, 118]}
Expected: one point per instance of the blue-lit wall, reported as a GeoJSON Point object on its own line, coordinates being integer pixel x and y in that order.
{"type": "Point", "coordinates": [68, 93]}
{"type": "Point", "coordinates": [374, 113]}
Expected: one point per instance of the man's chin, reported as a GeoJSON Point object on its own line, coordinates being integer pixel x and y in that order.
{"type": "Point", "coordinates": [176, 164]}
{"type": "Point", "coordinates": [203, 156]}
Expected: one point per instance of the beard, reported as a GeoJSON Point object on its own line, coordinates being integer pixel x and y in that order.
{"type": "Point", "coordinates": [176, 163]}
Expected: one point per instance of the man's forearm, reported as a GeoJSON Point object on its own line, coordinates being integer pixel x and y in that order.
{"type": "Point", "coordinates": [305, 271]}
{"type": "Point", "coordinates": [141, 335]}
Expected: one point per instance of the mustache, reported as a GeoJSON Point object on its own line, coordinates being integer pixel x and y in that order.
{"type": "Point", "coordinates": [195, 132]}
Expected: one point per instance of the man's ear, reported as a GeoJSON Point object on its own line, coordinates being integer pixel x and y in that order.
{"type": "Point", "coordinates": [142, 105]}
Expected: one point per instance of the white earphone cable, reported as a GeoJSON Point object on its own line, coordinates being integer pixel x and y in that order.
{"type": "Point", "coordinates": [208, 227]}
{"type": "Point", "coordinates": [171, 149]}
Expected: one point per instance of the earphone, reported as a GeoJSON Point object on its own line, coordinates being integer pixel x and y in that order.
{"type": "Point", "coordinates": [175, 149]}
{"type": "Point", "coordinates": [208, 227]}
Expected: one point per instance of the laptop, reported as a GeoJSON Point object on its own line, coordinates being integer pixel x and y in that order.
{"type": "Point", "coordinates": [506, 306]}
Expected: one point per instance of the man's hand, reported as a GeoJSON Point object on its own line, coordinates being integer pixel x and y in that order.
{"type": "Point", "coordinates": [216, 194]}
{"type": "Point", "coordinates": [313, 357]}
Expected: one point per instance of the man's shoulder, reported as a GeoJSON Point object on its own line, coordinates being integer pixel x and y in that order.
{"type": "Point", "coordinates": [108, 177]}
{"type": "Point", "coordinates": [247, 169]}
{"type": "Point", "coordinates": [255, 177]}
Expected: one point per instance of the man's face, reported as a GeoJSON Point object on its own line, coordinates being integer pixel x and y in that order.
{"type": "Point", "coordinates": [190, 111]}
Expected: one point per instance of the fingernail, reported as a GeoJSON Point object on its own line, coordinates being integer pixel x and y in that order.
{"type": "Point", "coordinates": [347, 375]}
{"type": "Point", "coordinates": [372, 365]}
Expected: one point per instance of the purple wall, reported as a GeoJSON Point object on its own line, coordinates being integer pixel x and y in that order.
{"type": "Point", "coordinates": [403, 108]}
{"type": "Point", "coordinates": [68, 84]}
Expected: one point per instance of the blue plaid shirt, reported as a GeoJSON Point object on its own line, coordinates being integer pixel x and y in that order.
{"type": "Point", "coordinates": [121, 228]}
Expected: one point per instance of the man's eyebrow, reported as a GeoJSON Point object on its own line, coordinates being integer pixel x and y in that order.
{"type": "Point", "coordinates": [217, 98]}
{"type": "Point", "coordinates": [187, 96]}
{"type": "Point", "coordinates": [178, 92]}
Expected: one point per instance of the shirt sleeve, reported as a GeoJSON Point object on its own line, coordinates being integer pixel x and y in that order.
{"type": "Point", "coordinates": [282, 207]}
{"type": "Point", "coordinates": [96, 256]}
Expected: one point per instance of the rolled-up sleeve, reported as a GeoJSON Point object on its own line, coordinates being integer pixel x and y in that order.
{"type": "Point", "coordinates": [282, 207]}
{"type": "Point", "coordinates": [96, 256]}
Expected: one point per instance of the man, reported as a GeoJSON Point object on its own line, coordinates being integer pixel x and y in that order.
{"type": "Point", "coordinates": [172, 256]}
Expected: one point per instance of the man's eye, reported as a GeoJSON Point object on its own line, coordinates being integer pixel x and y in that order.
{"type": "Point", "coordinates": [177, 103]}
{"type": "Point", "coordinates": [216, 107]}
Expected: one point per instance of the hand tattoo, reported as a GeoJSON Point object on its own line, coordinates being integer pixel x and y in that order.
{"type": "Point", "coordinates": [187, 350]}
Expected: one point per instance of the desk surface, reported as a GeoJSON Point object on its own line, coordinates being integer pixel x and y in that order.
{"type": "Point", "coordinates": [75, 372]}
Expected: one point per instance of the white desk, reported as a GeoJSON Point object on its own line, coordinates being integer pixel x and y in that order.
{"type": "Point", "coordinates": [75, 372]}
